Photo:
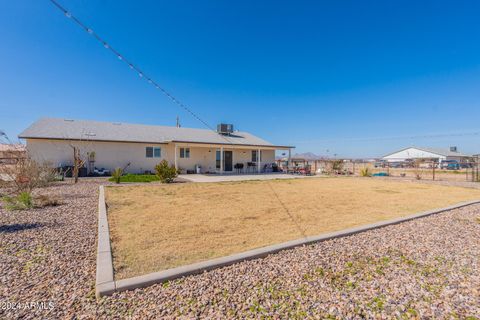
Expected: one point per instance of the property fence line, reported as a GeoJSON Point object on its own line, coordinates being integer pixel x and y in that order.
{"type": "Point", "coordinates": [419, 169]}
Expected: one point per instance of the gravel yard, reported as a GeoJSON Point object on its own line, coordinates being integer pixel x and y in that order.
{"type": "Point", "coordinates": [423, 268]}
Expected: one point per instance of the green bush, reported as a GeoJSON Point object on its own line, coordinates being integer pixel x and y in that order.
{"type": "Point", "coordinates": [25, 200]}
{"type": "Point", "coordinates": [165, 172]}
{"type": "Point", "coordinates": [365, 172]}
{"type": "Point", "coordinates": [22, 201]}
{"type": "Point", "coordinates": [117, 175]}
{"type": "Point", "coordinates": [337, 165]}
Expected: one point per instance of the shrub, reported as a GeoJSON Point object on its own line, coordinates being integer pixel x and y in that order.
{"type": "Point", "coordinates": [46, 201]}
{"type": "Point", "coordinates": [22, 201]}
{"type": "Point", "coordinates": [27, 174]}
{"type": "Point", "coordinates": [365, 172]}
{"type": "Point", "coordinates": [117, 175]}
{"type": "Point", "coordinates": [165, 172]}
{"type": "Point", "coordinates": [337, 165]}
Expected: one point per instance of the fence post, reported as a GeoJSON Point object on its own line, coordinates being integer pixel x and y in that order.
{"type": "Point", "coordinates": [433, 169]}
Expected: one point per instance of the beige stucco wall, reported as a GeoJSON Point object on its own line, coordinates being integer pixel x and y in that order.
{"type": "Point", "coordinates": [108, 155]}
{"type": "Point", "coordinates": [111, 155]}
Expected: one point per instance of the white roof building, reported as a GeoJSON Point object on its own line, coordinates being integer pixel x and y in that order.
{"type": "Point", "coordinates": [425, 153]}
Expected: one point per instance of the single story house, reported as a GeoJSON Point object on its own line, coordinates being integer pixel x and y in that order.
{"type": "Point", "coordinates": [439, 155]}
{"type": "Point", "coordinates": [138, 148]}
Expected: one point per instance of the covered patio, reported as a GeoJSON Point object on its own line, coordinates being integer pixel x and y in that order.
{"type": "Point", "coordinates": [226, 159]}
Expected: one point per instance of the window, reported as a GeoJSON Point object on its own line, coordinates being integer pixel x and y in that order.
{"type": "Point", "coordinates": [149, 152]}
{"type": "Point", "coordinates": [156, 152]}
{"type": "Point", "coordinates": [254, 155]}
{"type": "Point", "coordinates": [184, 152]}
{"type": "Point", "coordinates": [217, 158]}
{"type": "Point", "coordinates": [153, 152]}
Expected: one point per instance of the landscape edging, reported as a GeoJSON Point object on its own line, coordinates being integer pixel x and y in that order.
{"type": "Point", "coordinates": [104, 284]}
{"type": "Point", "coordinates": [108, 287]}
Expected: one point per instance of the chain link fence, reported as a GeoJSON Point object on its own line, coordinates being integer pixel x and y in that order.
{"type": "Point", "coordinates": [415, 169]}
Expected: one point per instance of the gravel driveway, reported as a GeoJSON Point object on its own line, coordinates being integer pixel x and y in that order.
{"type": "Point", "coordinates": [424, 268]}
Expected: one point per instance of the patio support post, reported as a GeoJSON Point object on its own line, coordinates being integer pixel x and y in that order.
{"type": "Point", "coordinates": [289, 158]}
{"type": "Point", "coordinates": [221, 160]}
{"type": "Point", "coordinates": [258, 161]}
{"type": "Point", "coordinates": [176, 161]}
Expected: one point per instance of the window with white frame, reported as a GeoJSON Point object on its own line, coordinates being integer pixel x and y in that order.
{"type": "Point", "coordinates": [184, 152]}
{"type": "Point", "coordinates": [255, 155]}
{"type": "Point", "coordinates": [153, 152]}
{"type": "Point", "coordinates": [217, 159]}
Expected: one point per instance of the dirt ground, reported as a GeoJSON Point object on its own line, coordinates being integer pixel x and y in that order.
{"type": "Point", "coordinates": [156, 227]}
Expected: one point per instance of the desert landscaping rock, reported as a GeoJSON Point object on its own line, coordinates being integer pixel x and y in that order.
{"type": "Point", "coordinates": [425, 268]}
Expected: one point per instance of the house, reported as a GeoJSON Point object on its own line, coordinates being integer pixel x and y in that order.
{"type": "Point", "coordinates": [440, 155]}
{"type": "Point", "coordinates": [138, 148]}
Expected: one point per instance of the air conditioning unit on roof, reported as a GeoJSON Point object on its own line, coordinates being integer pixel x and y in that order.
{"type": "Point", "coordinates": [224, 128]}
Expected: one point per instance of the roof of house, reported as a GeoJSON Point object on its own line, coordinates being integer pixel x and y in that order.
{"type": "Point", "coordinates": [66, 129]}
{"type": "Point", "coordinates": [440, 151]}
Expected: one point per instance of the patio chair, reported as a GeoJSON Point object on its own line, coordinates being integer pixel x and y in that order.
{"type": "Point", "coordinates": [251, 167]}
{"type": "Point", "coordinates": [238, 167]}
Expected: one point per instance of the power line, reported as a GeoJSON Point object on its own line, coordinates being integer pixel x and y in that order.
{"type": "Point", "coordinates": [425, 136]}
{"type": "Point", "coordinates": [131, 65]}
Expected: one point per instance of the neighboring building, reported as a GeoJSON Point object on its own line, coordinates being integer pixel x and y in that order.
{"type": "Point", "coordinates": [11, 153]}
{"type": "Point", "coordinates": [138, 148]}
{"type": "Point", "coordinates": [439, 155]}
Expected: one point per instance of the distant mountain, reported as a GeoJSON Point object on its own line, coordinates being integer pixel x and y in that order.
{"type": "Point", "coordinates": [306, 156]}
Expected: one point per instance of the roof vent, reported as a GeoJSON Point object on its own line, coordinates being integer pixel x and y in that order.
{"type": "Point", "coordinates": [224, 128]}
{"type": "Point", "coordinates": [453, 149]}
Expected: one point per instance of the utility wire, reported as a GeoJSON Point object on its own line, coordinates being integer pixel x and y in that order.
{"type": "Point", "coordinates": [132, 66]}
{"type": "Point", "coordinates": [425, 136]}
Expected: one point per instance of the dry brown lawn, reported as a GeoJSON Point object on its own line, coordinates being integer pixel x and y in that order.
{"type": "Point", "coordinates": [156, 227]}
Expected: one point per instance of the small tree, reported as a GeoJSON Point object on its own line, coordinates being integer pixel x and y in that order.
{"type": "Point", "coordinates": [77, 163]}
{"type": "Point", "coordinates": [21, 178]}
{"type": "Point", "coordinates": [27, 174]}
{"type": "Point", "coordinates": [117, 175]}
{"type": "Point", "coordinates": [417, 171]}
{"type": "Point", "coordinates": [165, 172]}
{"type": "Point", "coordinates": [337, 165]}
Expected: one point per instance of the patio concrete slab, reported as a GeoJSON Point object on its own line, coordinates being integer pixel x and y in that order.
{"type": "Point", "coordinates": [238, 177]}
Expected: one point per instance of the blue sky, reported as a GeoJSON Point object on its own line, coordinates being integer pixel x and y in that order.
{"type": "Point", "coordinates": [356, 78]}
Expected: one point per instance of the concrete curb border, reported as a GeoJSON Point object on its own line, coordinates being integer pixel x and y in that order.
{"type": "Point", "coordinates": [105, 284]}
{"type": "Point", "coordinates": [108, 286]}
